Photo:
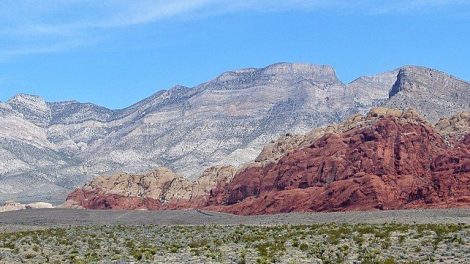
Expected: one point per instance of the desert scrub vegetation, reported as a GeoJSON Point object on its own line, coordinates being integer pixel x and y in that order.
{"type": "Point", "coordinates": [325, 243]}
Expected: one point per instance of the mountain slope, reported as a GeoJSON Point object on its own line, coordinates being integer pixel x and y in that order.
{"type": "Point", "coordinates": [393, 162]}
{"type": "Point", "coordinates": [431, 92]}
{"type": "Point", "coordinates": [388, 159]}
{"type": "Point", "coordinates": [373, 90]}
{"type": "Point", "coordinates": [224, 121]}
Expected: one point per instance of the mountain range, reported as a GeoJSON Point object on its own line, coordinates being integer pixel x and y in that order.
{"type": "Point", "coordinates": [387, 159]}
{"type": "Point", "coordinates": [49, 148]}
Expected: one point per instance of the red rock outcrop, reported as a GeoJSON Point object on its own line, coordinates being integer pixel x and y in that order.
{"type": "Point", "coordinates": [288, 143]}
{"type": "Point", "coordinates": [154, 190]}
{"type": "Point", "coordinates": [388, 159]}
{"type": "Point", "coordinates": [393, 163]}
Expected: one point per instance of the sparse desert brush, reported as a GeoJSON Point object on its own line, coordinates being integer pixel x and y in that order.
{"type": "Point", "coordinates": [330, 243]}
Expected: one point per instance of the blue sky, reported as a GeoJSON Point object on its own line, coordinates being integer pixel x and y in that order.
{"type": "Point", "coordinates": [116, 52]}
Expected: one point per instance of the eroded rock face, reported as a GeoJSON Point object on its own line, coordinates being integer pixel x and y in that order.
{"type": "Point", "coordinates": [433, 93]}
{"type": "Point", "coordinates": [388, 159]}
{"type": "Point", "coordinates": [288, 143]}
{"type": "Point", "coordinates": [393, 163]}
{"type": "Point", "coordinates": [125, 191]}
{"type": "Point", "coordinates": [226, 120]}
{"type": "Point", "coordinates": [158, 189]}
{"type": "Point", "coordinates": [50, 148]}
{"type": "Point", "coordinates": [453, 129]}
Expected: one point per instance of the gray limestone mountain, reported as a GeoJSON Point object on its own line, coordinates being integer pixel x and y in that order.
{"type": "Point", "coordinates": [433, 93]}
{"type": "Point", "coordinates": [46, 149]}
{"type": "Point", "coordinates": [373, 90]}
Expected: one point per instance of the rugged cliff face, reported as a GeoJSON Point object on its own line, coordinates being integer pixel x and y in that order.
{"type": "Point", "coordinates": [290, 142]}
{"type": "Point", "coordinates": [394, 162]}
{"type": "Point", "coordinates": [388, 159]}
{"type": "Point", "coordinates": [455, 128]}
{"type": "Point", "coordinates": [58, 146]}
{"type": "Point", "coordinates": [158, 189]}
{"type": "Point", "coordinates": [432, 93]}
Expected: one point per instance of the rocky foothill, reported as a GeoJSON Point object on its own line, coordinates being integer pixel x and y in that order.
{"type": "Point", "coordinates": [387, 159]}
{"type": "Point", "coordinates": [49, 148]}
{"type": "Point", "coordinates": [158, 189]}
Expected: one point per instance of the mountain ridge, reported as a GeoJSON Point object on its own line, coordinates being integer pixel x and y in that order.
{"type": "Point", "coordinates": [387, 159]}
{"type": "Point", "coordinates": [226, 120]}
{"type": "Point", "coordinates": [178, 86]}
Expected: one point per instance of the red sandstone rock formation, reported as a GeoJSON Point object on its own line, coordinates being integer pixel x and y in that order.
{"type": "Point", "coordinates": [387, 160]}
{"type": "Point", "coordinates": [154, 190]}
{"type": "Point", "coordinates": [390, 164]}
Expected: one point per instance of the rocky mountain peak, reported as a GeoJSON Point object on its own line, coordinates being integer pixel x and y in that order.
{"type": "Point", "coordinates": [433, 93]}
{"type": "Point", "coordinates": [275, 73]}
{"type": "Point", "coordinates": [28, 101]}
{"type": "Point", "coordinates": [308, 71]}
{"type": "Point", "coordinates": [416, 79]}
{"type": "Point", "coordinates": [70, 112]}
{"type": "Point", "coordinates": [227, 120]}
{"type": "Point", "coordinates": [26, 97]}
{"type": "Point", "coordinates": [32, 107]}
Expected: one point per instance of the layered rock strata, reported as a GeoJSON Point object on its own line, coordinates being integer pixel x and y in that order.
{"type": "Point", "coordinates": [157, 189]}
{"type": "Point", "coordinates": [49, 148]}
{"type": "Point", "coordinates": [388, 159]}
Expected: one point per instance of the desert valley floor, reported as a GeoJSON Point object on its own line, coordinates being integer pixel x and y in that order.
{"type": "Point", "coordinates": [195, 236]}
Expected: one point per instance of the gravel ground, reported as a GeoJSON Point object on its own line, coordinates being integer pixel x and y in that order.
{"type": "Point", "coordinates": [66, 217]}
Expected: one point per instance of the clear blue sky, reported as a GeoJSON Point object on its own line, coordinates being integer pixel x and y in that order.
{"type": "Point", "coordinates": [116, 52]}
